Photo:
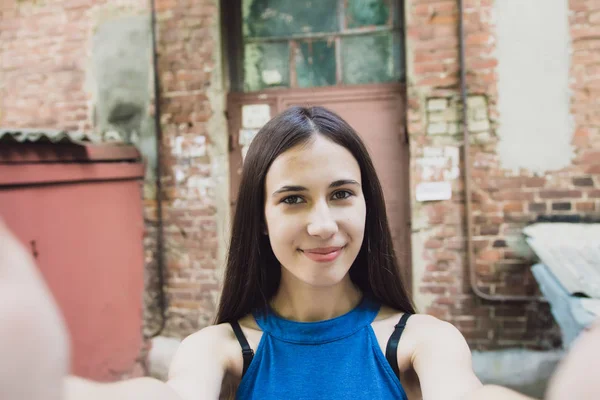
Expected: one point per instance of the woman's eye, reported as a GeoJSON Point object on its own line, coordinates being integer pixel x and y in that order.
{"type": "Point", "coordinates": [291, 200]}
{"type": "Point", "coordinates": [341, 195]}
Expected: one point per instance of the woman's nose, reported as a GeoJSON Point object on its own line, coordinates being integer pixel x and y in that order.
{"type": "Point", "coordinates": [321, 223]}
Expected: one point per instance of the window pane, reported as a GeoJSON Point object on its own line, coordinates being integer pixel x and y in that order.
{"type": "Point", "coordinates": [264, 18]}
{"type": "Point", "coordinates": [361, 13]}
{"type": "Point", "coordinates": [315, 63]}
{"type": "Point", "coordinates": [372, 58]}
{"type": "Point", "coordinates": [266, 65]}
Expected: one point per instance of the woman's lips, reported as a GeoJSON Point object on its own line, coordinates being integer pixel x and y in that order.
{"type": "Point", "coordinates": [324, 254]}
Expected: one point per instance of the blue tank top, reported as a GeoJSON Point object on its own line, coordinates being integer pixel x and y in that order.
{"type": "Point", "coordinates": [338, 358]}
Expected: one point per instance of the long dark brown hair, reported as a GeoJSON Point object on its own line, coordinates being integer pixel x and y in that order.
{"type": "Point", "coordinates": [253, 272]}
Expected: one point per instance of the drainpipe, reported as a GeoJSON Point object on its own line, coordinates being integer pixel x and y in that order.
{"type": "Point", "coordinates": [160, 248]}
{"type": "Point", "coordinates": [467, 176]}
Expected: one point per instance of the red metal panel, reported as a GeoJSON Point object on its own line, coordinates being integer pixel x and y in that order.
{"type": "Point", "coordinates": [87, 239]}
{"type": "Point", "coordinates": [47, 152]}
{"type": "Point", "coordinates": [28, 174]}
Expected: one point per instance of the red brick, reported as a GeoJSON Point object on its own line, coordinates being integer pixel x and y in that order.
{"type": "Point", "coordinates": [455, 244]}
{"type": "Point", "coordinates": [445, 256]}
{"type": "Point", "coordinates": [479, 39]}
{"type": "Point", "coordinates": [513, 207]}
{"type": "Point", "coordinates": [483, 63]}
{"type": "Point", "coordinates": [490, 255]}
{"type": "Point", "coordinates": [483, 269]}
{"type": "Point", "coordinates": [508, 183]}
{"type": "Point", "coordinates": [466, 325]}
{"type": "Point", "coordinates": [439, 81]}
{"type": "Point", "coordinates": [585, 206]}
{"type": "Point", "coordinates": [422, 9]}
{"type": "Point", "coordinates": [534, 182]}
{"type": "Point", "coordinates": [480, 244]}
{"type": "Point", "coordinates": [489, 230]}
{"type": "Point", "coordinates": [520, 218]}
{"type": "Point", "coordinates": [583, 181]}
{"type": "Point", "coordinates": [593, 169]}
{"type": "Point", "coordinates": [513, 195]}
{"type": "Point", "coordinates": [433, 244]}
{"type": "Point", "coordinates": [560, 194]}
{"type": "Point", "coordinates": [589, 157]}
{"type": "Point", "coordinates": [537, 207]}
{"type": "Point", "coordinates": [594, 194]}
{"type": "Point", "coordinates": [432, 289]}
{"type": "Point", "coordinates": [445, 20]}
{"type": "Point", "coordinates": [429, 68]}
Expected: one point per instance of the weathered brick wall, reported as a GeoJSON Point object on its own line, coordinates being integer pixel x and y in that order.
{"type": "Point", "coordinates": [195, 176]}
{"type": "Point", "coordinates": [503, 201]}
{"type": "Point", "coordinates": [42, 74]}
{"type": "Point", "coordinates": [46, 51]}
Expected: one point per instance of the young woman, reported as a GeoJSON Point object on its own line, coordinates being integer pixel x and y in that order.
{"type": "Point", "coordinates": [312, 307]}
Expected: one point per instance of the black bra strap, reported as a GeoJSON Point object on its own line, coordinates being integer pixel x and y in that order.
{"type": "Point", "coordinates": [391, 350]}
{"type": "Point", "coordinates": [247, 352]}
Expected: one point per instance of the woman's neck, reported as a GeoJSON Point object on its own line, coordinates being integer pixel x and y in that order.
{"type": "Point", "coordinates": [297, 301]}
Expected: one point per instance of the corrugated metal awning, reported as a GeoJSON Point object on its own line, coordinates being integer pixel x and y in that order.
{"type": "Point", "coordinates": [44, 136]}
{"type": "Point", "coordinates": [571, 252]}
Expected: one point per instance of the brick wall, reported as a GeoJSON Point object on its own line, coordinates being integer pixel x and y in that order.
{"type": "Point", "coordinates": [195, 175]}
{"type": "Point", "coordinates": [503, 201]}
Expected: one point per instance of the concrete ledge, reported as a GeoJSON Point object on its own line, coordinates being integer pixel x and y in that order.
{"type": "Point", "coordinates": [160, 356]}
{"type": "Point", "coordinates": [525, 371]}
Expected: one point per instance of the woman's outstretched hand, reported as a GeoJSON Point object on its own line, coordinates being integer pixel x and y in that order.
{"type": "Point", "coordinates": [577, 375]}
{"type": "Point", "coordinates": [34, 343]}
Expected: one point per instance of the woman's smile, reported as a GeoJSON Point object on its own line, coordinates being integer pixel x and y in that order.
{"type": "Point", "coordinates": [323, 254]}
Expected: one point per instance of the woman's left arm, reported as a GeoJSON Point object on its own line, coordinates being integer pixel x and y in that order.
{"type": "Point", "coordinates": [442, 360]}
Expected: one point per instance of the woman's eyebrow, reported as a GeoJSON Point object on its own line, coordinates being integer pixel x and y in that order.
{"type": "Point", "coordinates": [285, 189]}
{"type": "Point", "coordinates": [343, 182]}
{"type": "Point", "coordinates": [294, 188]}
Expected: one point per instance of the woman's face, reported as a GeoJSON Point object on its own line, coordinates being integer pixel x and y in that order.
{"type": "Point", "coordinates": [315, 211]}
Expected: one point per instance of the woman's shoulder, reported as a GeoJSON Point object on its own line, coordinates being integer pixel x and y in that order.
{"type": "Point", "coordinates": [422, 331]}
{"type": "Point", "coordinates": [218, 345]}
{"type": "Point", "coordinates": [219, 334]}
{"type": "Point", "coordinates": [421, 323]}
{"type": "Point", "coordinates": [209, 344]}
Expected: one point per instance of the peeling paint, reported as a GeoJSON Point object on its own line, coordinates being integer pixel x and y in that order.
{"type": "Point", "coordinates": [533, 53]}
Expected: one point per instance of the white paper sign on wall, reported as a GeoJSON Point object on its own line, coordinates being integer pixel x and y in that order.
{"type": "Point", "coordinates": [434, 191]}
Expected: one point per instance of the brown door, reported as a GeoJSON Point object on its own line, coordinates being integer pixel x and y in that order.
{"type": "Point", "coordinates": [377, 113]}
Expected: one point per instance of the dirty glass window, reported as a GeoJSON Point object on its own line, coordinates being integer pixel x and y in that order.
{"type": "Point", "coordinates": [361, 13]}
{"type": "Point", "coordinates": [310, 43]}
{"type": "Point", "coordinates": [315, 63]}
{"type": "Point", "coordinates": [266, 65]}
{"type": "Point", "coordinates": [272, 18]}
{"type": "Point", "coordinates": [371, 58]}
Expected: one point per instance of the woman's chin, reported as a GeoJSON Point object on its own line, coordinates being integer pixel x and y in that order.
{"type": "Point", "coordinates": [324, 277]}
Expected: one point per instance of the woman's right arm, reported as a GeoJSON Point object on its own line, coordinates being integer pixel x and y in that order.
{"type": "Point", "coordinates": [196, 373]}
{"type": "Point", "coordinates": [140, 388]}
